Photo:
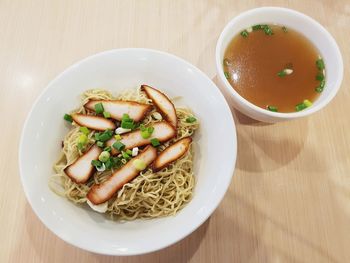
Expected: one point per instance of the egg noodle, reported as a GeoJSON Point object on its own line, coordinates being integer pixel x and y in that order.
{"type": "Point", "coordinates": [148, 195]}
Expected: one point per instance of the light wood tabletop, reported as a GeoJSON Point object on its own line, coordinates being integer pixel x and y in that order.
{"type": "Point", "coordinates": [289, 200]}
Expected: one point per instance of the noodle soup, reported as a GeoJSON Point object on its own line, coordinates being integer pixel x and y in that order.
{"type": "Point", "coordinates": [275, 68]}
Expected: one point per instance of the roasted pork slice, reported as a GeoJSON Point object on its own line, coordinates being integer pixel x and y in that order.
{"type": "Point", "coordinates": [163, 104]}
{"type": "Point", "coordinates": [172, 153]}
{"type": "Point", "coordinates": [93, 122]}
{"type": "Point", "coordinates": [163, 131]}
{"type": "Point", "coordinates": [117, 108]}
{"type": "Point", "coordinates": [100, 193]}
{"type": "Point", "coordinates": [81, 170]}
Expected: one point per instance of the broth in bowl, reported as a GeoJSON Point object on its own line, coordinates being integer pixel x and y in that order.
{"type": "Point", "coordinates": [275, 68]}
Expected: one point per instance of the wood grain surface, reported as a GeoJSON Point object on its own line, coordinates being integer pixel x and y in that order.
{"type": "Point", "coordinates": [289, 200]}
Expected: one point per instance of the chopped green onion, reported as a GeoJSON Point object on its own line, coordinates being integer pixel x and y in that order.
{"type": "Point", "coordinates": [139, 164]}
{"type": "Point", "coordinates": [84, 130]}
{"type": "Point", "coordinates": [129, 152]}
{"type": "Point", "coordinates": [109, 164]}
{"type": "Point", "coordinates": [282, 74]}
{"type": "Point", "coordinates": [80, 146]}
{"type": "Point", "coordinates": [116, 162]}
{"type": "Point", "coordinates": [307, 103]}
{"type": "Point", "coordinates": [118, 145]}
{"type": "Point", "coordinates": [145, 134]}
{"type": "Point", "coordinates": [99, 108]}
{"type": "Point", "coordinates": [320, 64]}
{"type": "Point", "coordinates": [96, 163]}
{"type": "Point", "coordinates": [68, 118]}
{"type": "Point", "coordinates": [267, 30]}
{"type": "Point", "coordinates": [150, 129]}
{"type": "Point", "coordinates": [319, 89]}
{"type": "Point", "coordinates": [191, 119]}
{"type": "Point", "coordinates": [83, 139]}
{"type": "Point", "coordinates": [300, 106]}
{"type": "Point", "coordinates": [104, 136]}
{"type": "Point", "coordinates": [117, 137]}
{"type": "Point", "coordinates": [227, 75]}
{"type": "Point", "coordinates": [125, 155]}
{"type": "Point", "coordinates": [108, 149]}
{"type": "Point", "coordinates": [256, 27]}
{"type": "Point", "coordinates": [127, 125]}
{"type": "Point", "coordinates": [100, 144]}
{"type": "Point", "coordinates": [106, 114]}
{"type": "Point", "coordinates": [104, 156]}
{"type": "Point", "coordinates": [285, 30]}
{"type": "Point", "coordinates": [244, 33]}
{"type": "Point", "coordinates": [142, 127]}
{"type": "Point", "coordinates": [272, 108]}
{"type": "Point", "coordinates": [320, 76]}
{"type": "Point", "coordinates": [155, 142]}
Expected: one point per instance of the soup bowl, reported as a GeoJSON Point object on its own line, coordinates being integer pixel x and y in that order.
{"type": "Point", "coordinates": [302, 23]}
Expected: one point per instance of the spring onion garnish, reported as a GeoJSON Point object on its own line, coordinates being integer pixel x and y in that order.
{"type": "Point", "coordinates": [285, 30]}
{"type": "Point", "coordinates": [100, 144]}
{"type": "Point", "coordinates": [83, 139]}
{"type": "Point", "coordinates": [191, 119]}
{"type": "Point", "coordinates": [68, 118]}
{"type": "Point", "coordinates": [117, 137]}
{"type": "Point", "coordinates": [84, 130]}
{"type": "Point", "coordinates": [300, 106]}
{"type": "Point", "coordinates": [320, 76]}
{"type": "Point", "coordinates": [125, 155]}
{"type": "Point", "coordinates": [227, 75]}
{"type": "Point", "coordinates": [106, 114]}
{"type": "Point", "coordinates": [244, 33]}
{"type": "Point", "coordinates": [282, 74]}
{"type": "Point", "coordinates": [80, 146]}
{"type": "Point", "coordinates": [146, 132]}
{"type": "Point", "coordinates": [256, 27]}
{"type": "Point", "coordinates": [96, 163]}
{"type": "Point", "coordinates": [129, 152]}
{"type": "Point", "coordinates": [139, 164]}
{"type": "Point", "coordinates": [99, 108]}
{"type": "Point", "coordinates": [320, 64]}
{"type": "Point", "coordinates": [307, 103]}
{"type": "Point", "coordinates": [267, 29]}
{"type": "Point", "coordinates": [320, 87]}
{"type": "Point", "coordinates": [303, 105]}
{"type": "Point", "coordinates": [272, 108]}
{"type": "Point", "coordinates": [127, 122]}
{"type": "Point", "coordinates": [104, 136]}
{"type": "Point", "coordinates": [104, 156]}
{"type": "Point", "coordinates": [108, 149]}
{"type": "Point", "coordinates": [155, 142]}
{"type": "Point", "coordinates": [118, 145]}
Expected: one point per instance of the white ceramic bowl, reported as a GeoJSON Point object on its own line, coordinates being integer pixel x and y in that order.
{"type": "Point", "coordinates": [317, 34]}
{"type": "Point", "coordinates": [116, 70]}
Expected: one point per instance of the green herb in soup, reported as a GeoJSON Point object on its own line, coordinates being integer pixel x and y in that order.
{"type": "Point", "coordinates": [275, 68]}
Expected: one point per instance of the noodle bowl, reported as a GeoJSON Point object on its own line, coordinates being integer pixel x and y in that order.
{"type": "Point", "coordinates": [150, 194]}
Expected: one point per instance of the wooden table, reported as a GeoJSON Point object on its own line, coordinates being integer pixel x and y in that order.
{"type": "Point", "coordinates": [289, 200]}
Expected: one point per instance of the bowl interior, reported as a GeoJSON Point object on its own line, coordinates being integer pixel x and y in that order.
{"type": "Point", "coordinates": [116, 70]}
{"type": "Point", "coordinates": [311, 29]}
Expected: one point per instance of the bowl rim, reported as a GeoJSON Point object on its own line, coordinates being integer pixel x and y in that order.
{"type": "Point", "coordinates": [253, 107]}
{"type": "Point", "coordinates": [196, 224]}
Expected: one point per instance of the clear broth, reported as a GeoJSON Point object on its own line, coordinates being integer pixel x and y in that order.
{"type": "Point", "coordinates": [254, 62]}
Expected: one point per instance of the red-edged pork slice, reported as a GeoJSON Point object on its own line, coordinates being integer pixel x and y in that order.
{"type": "Point", "coordinates": [163, 103]}
{"type": "Point", "coordinates": [100, 193]}
{"type": "Point", "coordinates": [172, 153]}
{"type": "Point", "coordinates": [81, 170]}
{"type": "Point", "coordinates": [136, 111]}
{"type": "Point", "coordinates": [163, 131]}
{"type": "Point", "coordinates": [93, 122]}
